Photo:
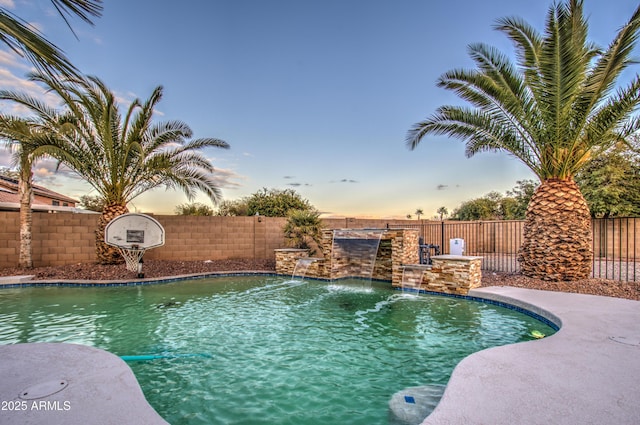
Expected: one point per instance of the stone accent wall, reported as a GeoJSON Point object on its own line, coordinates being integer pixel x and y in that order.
{"type": "Point", "coordinates": [452, 274]}
{"type": "Point", "coordinates": [286, 259]}
{"type": "Point", "coordinates": [341, 259]}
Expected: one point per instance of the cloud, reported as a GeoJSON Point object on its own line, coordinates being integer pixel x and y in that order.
{"type": "Point", "coordinates": [9, 4]}
{"type": "Point", "coordinates": [13, 60]}
{"type": "Point", "coordinates": [47, 171]}
{"type": "Point", "coordinates": [441, 187]}
{"type": "Point", "coordinates": [225, 178]}
{"type": "Point", "coordinates": [288, 177]}
{"type": "Point", "coordinates": [344, 181]}
{"type": "Point", "coordinates": [10, 81]}
{"type": "Point", "coordinates": [299, 184]}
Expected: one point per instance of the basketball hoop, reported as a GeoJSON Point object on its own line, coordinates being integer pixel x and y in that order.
{"type": "Point", "coordinates": [133, 257]}
{"type": "Point", "coordinates": [133, 234]}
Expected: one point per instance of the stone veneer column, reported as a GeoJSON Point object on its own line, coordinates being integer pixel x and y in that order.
{"type": "Point", "coordinates": [453, 274]}
{"type": "Point", "coordinates": [404, 250]}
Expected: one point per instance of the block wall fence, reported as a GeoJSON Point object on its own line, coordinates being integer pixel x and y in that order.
{"type": "Point", "coordinates": [68, 238]}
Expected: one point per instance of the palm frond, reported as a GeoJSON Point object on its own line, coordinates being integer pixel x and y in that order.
{"type": "Point", "coordinates": [554, 110]}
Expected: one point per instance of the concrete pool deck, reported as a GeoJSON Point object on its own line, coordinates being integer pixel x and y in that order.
{"type": "Point", "coordinates": [586, 373]}
{"type": "Point", "coordinates": [50, 383]}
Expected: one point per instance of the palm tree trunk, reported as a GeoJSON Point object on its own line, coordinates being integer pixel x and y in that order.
{"type": "Point", "coordinates": [557, 233]}
{"type": "Point", "coordinates": [108, 254]}
{"type": "Point", "coordinates": [25, 190]}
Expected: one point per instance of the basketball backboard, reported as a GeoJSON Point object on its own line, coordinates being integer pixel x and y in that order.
{"type": "Point", "coordinates": [134, 229]}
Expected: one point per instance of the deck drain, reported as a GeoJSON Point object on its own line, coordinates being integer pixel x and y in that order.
{"type": "Point", "coordinates": [44, 389]}
{"type": "Point", "coordinates": [625, 340]}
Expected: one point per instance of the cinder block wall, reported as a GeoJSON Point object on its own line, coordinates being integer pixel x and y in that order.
{"type": "Point", "coordinates": [216, 238]}
{"type": "Point", "coordinates": [67, 238]}
{"type": "Point", "coordinates": [57, 239]}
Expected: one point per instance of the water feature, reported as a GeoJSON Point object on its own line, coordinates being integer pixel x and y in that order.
{"type": "Point", "coordinates": [412, 275]}
{"type": "Point", "coordinates": [302, 265]}
{"type": "Point", "coordinates": [353, 253]}
{"type": "Point", "coordinates": [261, 350]}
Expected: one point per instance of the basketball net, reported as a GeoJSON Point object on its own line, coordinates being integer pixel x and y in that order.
{"type": "Point", "coordinates": [132, 256]}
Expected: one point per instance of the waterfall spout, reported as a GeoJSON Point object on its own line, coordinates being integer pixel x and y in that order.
{"type": "Point", "coordinates": [412, 275]}
{"type": "Point", "coordinates": [301, 268]}
{"type": "Point", "coordinates": [354, 253]}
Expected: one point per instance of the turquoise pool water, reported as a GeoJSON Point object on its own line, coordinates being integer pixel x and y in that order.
{"type": "Point", "coordinates": [267, 350]}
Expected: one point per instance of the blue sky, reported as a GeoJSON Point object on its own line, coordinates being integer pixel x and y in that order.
{"type": "Point", "coordinates": [315, 96]}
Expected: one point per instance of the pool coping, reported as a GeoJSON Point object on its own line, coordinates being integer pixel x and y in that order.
{"type": "Point", "coordinates": [587, 372]}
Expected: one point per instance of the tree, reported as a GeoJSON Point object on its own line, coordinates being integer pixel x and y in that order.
{"type": "Point", "coordinates": [419, 212]}
{"type": "Point", "coordinates": [233, 208]}
{"type": "Point", "coordinates": [442, 212]}
{"type": "Point", "coordinates": [92, 203]}
{"type": "Point", "coordinates": [121, 157]}
{"type": "Point", "coordinates": [302, 228]}
{"type": "Point", "coordinates": [276, 202]}
{"type": "Point", "coordinates": [521, 196]}
{"type": "Point", "coordinates": [484, 208]}
{"type": "Point", "coordinates": [28, 144]}
{"type": "Point", "coordinates": [195, 208]}
{"type": "Point", "coordinates": [265, 202]}
{"type": "Point", "coordinates": [553, 111]}
{"type": "Point", "coordinates": [25, 40]}
{"type": "Point", "coordinates": [611, 182]}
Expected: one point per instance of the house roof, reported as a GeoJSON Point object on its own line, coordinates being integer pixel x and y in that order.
{"type": "Point", "coordinates": [9, 186]}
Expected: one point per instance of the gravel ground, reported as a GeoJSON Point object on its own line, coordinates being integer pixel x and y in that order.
{"type": "Point", "coordinates": [158, 268]}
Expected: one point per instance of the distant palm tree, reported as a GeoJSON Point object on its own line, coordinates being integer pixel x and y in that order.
{"type": "Point", "coordinates": [442, 212]}
{"type": "Point", "coordinates": [121, 157]}
{"type": "Point", "coordinates": [554, 112]}
{"type": "Point", "coordinates": [26, 41]}
{"type": "Point", "coordinates": [419, 212]}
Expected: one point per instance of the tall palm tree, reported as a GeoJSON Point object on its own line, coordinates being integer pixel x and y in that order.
{"type": "Point", "coordinates": [26, 41]}
{"type": "Point", "coordinates": [553, 111]}
{"type": "Point", "coordinates": [28, 145]}
{"type": "Point", "coordinates": [121, 157]}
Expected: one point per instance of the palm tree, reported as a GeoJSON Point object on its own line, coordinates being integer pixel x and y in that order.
{"type": "Point", "coordinates": [26, 41]}
{"type": "Point", "coordinates": [442, 212]}
{"type": "Point", "coordinates": [27, 144]}
{"type": "Point", "coordinates": [303, 228]}
{"type": "Point", "coordinates": [121, 157]}
{"type": "Point", "coordinates": [419, 212]}
{"type": "Point", "coordinates": [553, 111]}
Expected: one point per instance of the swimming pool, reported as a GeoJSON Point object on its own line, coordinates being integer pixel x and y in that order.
{"type": "Point", "coordinates": [265, 349]}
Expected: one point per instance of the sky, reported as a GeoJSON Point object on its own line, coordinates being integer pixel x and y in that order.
{"type": "Point", "coordinates": [315, 96]}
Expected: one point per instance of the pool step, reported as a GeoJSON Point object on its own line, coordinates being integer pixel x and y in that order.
{"type": "Point", "coordinates": [10, 280]}
{"type": "Point", "coordinates": [411, 405]}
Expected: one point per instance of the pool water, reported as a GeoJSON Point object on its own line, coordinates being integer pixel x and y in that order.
{"type": "Point", "coordinates": [267, 350]}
